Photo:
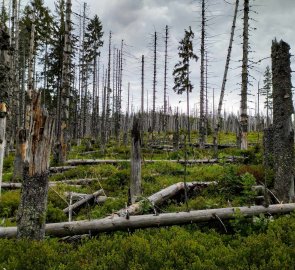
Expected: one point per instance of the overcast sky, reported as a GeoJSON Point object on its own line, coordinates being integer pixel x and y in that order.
{"type": "Point", "coordinates": [135, 21]}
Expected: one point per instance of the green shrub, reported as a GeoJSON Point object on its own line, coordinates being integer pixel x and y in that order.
{"type": "Point", "coordinates": [9, 202]}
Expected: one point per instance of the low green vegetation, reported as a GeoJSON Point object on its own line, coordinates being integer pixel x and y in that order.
{"type": "Point", "coordinates": [262, 242]}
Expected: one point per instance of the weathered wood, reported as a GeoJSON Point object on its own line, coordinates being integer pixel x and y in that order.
{"type": "Point", "coordinates": [115, 223]}
{"type": "Point", "coordinates": [4, 93]}
{"type": "Point", "coordinates": [83, 201]}
{"type": "Point", "coordinates": [243, 131]}
{"type": "Point", "coordinates": [76, 162]}
{"type": "Point", "coordinates": [282, 123]}
{"type": "Point", "coordinates": [8, 185]}
{"type": "Point", "coordinates": [222, 91]}
{"type": "Point", "coordinates": [60, 169]}
{"type": "Point", "coordinates": [161, 196]}
{"type": "Point", "coordinates": [32, 209]}
{"type": "Point", "coordinates": [135, 176]}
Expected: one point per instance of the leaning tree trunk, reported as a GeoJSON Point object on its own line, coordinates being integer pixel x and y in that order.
{"type": "Point", "coordinates": [4, 82]}
{"type": "Point", "coordinates": [282, 112]}
{"type": "Point", "coordinates": [135, 183]}
{"type": "Point", "coordinates": [244, 91]}
{"type": "Point", "coordinates": [218, 122]}
{"type": "Point", "coordinates": [32, 209]}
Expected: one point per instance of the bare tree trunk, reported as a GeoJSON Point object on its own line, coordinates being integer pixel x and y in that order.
{"type": "Point", "coordinates": [4, 94]}
{"type": "Point", "coordinates": [219, 119]}
{"type": "Point", "coordinates": [32, 209]}
{"type": "Point", "coordinates": [165, 79]}
{"type": "Point", "coordinates": [135, 183]}
{"type": "Point", "coordinates": [282, 123]}
{"type": "Point", "coordinates": [202, 109]}
{"type": "Point", "coordinates": [154, 84]}
{"type": "Point", "coordinates": [63, 134]}
{"type": "Point", "coordinates": [244, 91]}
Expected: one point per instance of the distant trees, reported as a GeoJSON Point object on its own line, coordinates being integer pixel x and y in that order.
{"type": "Point", "coordinates": [181, 70]}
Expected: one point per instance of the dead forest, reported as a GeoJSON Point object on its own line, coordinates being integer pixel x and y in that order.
{"type": "Point", "coordinates": [97, 172]}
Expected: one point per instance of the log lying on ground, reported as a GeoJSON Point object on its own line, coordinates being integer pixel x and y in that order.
{"type": "Point", "coordinates": [51, 184]}
{"type": "Point", "coordinates": [76, 162]}
{"type": "Point", "coordinates": [60, 169]}
{"type": "Point", "coordinates": [162, 196]}
{"type": "Point", "coordinates": [83, 201]}
{"type": "Point", "coordinates": [145, 221]}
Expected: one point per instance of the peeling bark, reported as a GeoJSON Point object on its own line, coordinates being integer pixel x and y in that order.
{"type": "Point", "coordinates": [32, 209]}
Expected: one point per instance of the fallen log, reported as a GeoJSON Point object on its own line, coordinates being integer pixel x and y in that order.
{"type": "Point", "coordinates": [144, 221]}
{"type": "Point", "coordinates": [60, 169]}
{"type": "Point", "coordinates": [161, 196]}
{"type": "Point", "coordinates": [76, 162]}
{"type": "Point", "coordinates": [51, 184]}
{"type": "Point", "coordinates": [83, 201]}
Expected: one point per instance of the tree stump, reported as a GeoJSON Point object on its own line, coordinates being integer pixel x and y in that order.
{"type": "Point", "coordinates": [282, 111]}
{"type": "Point", "coordinates": [32, 209]}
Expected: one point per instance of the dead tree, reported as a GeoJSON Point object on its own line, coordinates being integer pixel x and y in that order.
{"type": "Point", "coordinates": [32, 209]}
{"type": "Point", "coordinates": [282, 123]}
{"type": "Point", "coordinates": [135, 183]}
{"type": "Point", "coordinates": [4, 94]}
{"type": "Point", "coordinates": [63, 125]}
{"type": "Point", "coordinates": [151, 220]}
{"type": "Point", "coordinates": [165, 78]}
{"type": "Point", "coordinates": [154, 84]}
{"type": "Point", "coordinates": [218, 122]}
{"type": "Point", "coordinates": [202, 85]}
{"type": "Point", "coordinates": [244, 91]}
{"type": "Point", "coordinates": [108, 85]}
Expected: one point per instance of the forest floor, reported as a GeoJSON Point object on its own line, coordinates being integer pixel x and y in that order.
{"type": "Point", "coordinates": [263, 242]}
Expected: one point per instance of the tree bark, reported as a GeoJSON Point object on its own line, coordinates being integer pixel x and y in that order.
{"type": "Point", "coordinates": [283, 131]}
{"type": "Point", "coordinates": [244, 91]}
{"type": "Point", "coordinates": [86, 199]}
{"type": "Point", "coordinates": [4, 94]}
{"type": "Point", "coordinates": [146, 221]}
{"type": "Point", "coordinates": [222, 91]}
{"type": "Point", "coordinates": [32, 209]}
{"type": "Point", "coordinates": [135, 181]}
{"type": "Point", "coordinates": [161, 196]}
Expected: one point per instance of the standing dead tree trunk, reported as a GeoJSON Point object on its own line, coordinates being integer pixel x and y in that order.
{"type": "Point", "coordinates": [4, 81]}
{"type": "Point", "coordinates": [154, 84]}
{"type": "Point", "coordinates": [135, 183]}
{"type": "Point", "coordinates": [244, 91]}
{"type": "Point", "coordinates": [282, 112]}
{"type": "Point", "coordinates": [218, 122]}
{"type": "Point", "coordinates": [63, 128]}
{"type": "Point", "coordinates": [202, 109]}
{"type": "Point", "coordinates": [33, 204]}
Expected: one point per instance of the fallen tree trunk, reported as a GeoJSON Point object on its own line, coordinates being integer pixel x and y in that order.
{"type": "Point", "coordinates": [76, 162]}
{"type": "Point", "coordinates": [6, 185]}
{"type": "Point", "coordinates": [161, 196]}
{"type": "Point", "coordinates": [83, 201]}
{"type": "Point", "coordinates": [60, 169]}
{"type": "Point", "coordinates": [145, 221]}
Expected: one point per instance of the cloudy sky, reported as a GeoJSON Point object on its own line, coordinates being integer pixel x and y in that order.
{"type": "Point", "coordinates": [135, 21]}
